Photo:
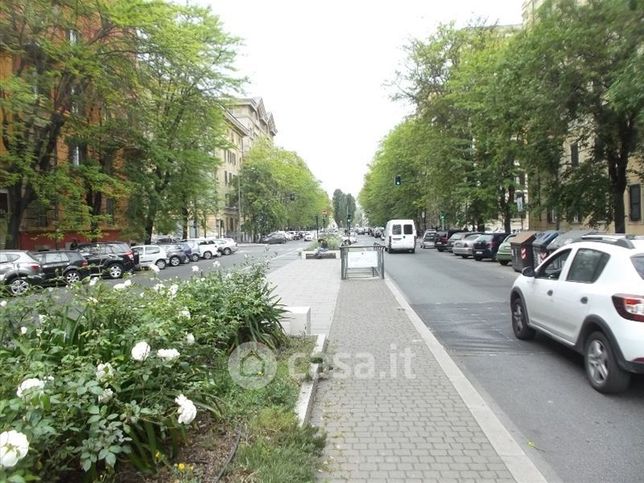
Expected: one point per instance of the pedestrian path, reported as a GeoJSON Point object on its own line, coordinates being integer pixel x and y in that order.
{"type": "Point", "coordinates": [311, 283]}
{"type": "Point", "coordinates": [390, 411]}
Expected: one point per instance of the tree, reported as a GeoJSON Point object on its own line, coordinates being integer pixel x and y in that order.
{"type": "Point", "coordinates": [64, 65]}
{"type": "Point", "coordinates": [278, 190]}
{"type": "Point", "coordinates": [598, 52]}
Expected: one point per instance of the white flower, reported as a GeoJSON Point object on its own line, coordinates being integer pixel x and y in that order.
{"type": "Point", "coordinates": [185, 313]}
{"type": "Point", "coordinates": [174, 288]}
{"type": "Point", "coordinates": [140, 351]}
{"type": "Point", "coordinates": [42, 318]}
{"type": "Point", "coordinates": [29, 385]}
{"type": "Point", "coordinates": [216, 264]}
{"type": "Point", "coordinates": [195, 268]}
{"type": "Point", "coordinates": [92, 300]}
{"type": "Point", "coordinates": [168, 354]}
{"type": "Point", "coordinates": [190, 339]}
{"type": "Point", "coordinates": [23, 330]}
{"type": "Point", "coordinates": [158, 287]}
{"type": "Point", "coordinates": [93, 281]}
{"type": "Point", "coordinates": [120, 286]}
{"type": "Point", "coordinates": [187, 409]}
{"type": "Point", "coordinates": [13, 447]}
{"type": "Point", "coordinates": [155, 269]}
{"type": "Point", "coordinates": [3, 303]}
{"type": "Point", "coordinates": [127, 283]}
{"type": "Point", "coordinates": [104, 371]}
{"type": "Point", "coordinates": [106, 396]}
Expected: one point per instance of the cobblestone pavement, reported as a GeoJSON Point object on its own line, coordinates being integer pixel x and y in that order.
{"type": "Point", "coordinates": [390, 411]}
{"type": "Point", "coordinates": [311, 283]}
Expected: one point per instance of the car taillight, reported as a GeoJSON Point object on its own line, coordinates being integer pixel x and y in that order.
{"type": "Point", "coordinates": [130, 255]}
{"type": "Point", "coordinates": [35, 266]}
{"type": "Point", "coordinates": [630, 307]}
{"type": "Point", "coordinates": [84, 263]}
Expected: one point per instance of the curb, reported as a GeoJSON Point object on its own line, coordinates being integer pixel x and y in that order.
{"type": "Point", "coordinates": [304, 403]}
{"type": "Point", "coordinates": [516, 460]}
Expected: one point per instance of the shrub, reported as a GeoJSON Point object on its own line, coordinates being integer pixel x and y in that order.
{"type": "Point", "coordinates": [110, 375]}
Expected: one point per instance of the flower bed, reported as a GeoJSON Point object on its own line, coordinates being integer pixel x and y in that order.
{"type": "Point", "coordinates": [117, 377]}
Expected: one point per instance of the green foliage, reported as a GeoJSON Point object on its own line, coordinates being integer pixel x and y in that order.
{"type": "Point", "coordinates": [494, 104]}
{"type": "Point", "coordinates": [279, 450]}
{"type": "Point", "coordinates": [83, 423]}
{"type": "Point", "coordinates": [278, 190]}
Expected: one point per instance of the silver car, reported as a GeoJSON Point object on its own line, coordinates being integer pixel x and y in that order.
{"type": "Point", "coordinates": [465, 247]}
{"type": "Point", "coordinates": [18, 271]}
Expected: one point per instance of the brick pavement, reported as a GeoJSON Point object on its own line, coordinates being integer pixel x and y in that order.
{"type": "Point", "coordinates": [385, 423]}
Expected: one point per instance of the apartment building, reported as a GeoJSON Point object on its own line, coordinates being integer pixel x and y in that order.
{"type": "Point", "coordinates": [247, 120]}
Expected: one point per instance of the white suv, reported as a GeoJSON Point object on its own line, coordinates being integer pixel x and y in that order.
{"type": "Point", "coordinates": [151, 255]}
{"type": "Point", "coordinates": [589, 296]}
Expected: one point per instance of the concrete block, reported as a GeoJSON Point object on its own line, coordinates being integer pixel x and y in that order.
{"type": "Point", "coordinates": [297, 321]}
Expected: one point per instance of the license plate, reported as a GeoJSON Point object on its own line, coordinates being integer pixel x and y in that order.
{"type": "Point", "coordinates": [479, 252]}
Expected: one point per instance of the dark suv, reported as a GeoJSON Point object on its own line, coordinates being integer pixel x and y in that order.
{"type": "Point", "coordinates": [67, 266]}
{"type": "Point", "coordinates": [487, 245]}
{"type": "Point", "coordinates": [109, 258]}
{"type": "Point", "coordinates": [442, 237]}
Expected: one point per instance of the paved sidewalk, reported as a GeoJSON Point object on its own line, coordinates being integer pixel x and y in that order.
{"type": "Point", "coordinates": [312, 283]}
{"type": "Point", "coordinates": [388, 419]}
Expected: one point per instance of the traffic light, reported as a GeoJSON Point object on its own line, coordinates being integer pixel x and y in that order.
{"type": "Point", "coordinates": [349, 218]}
{"type": "Point", "coordinates": [397, 180]}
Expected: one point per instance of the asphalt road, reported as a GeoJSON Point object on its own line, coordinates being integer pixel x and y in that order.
{"type": "Point", "coordinates": [538, 388]}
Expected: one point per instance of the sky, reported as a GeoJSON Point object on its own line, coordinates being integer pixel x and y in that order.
{"type": "Point", "coordinates": [323, 70]}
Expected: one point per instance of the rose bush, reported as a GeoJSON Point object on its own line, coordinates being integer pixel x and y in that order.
{"type": "Point", "coordinates": [132, 368]}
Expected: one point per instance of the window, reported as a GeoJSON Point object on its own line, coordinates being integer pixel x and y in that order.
{"type": "Point", "coordinates": [396, 230]}
{"type": "Point", "coordinates": [587, 266]}
{"type": "Point", "coordinates": [635, 202]}
{"type": "Point", "coordinates": [152, 250]}
{"type": "Point", "coordinates": [226, 177]}
{"type": "Point", "coordinates": [638, 263]}
{"type": "Point", "coordinates": [408, 229]}
{"type": "Point", "coordinates": [8, 257]}
{"type": "Point", "coordinates": [552, 269]}
{"type": "Point", "coordinates": [574, 155]}
{"type": "Point", "coordinates": [55, 257]}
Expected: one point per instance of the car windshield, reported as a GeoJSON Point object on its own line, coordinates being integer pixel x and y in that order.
{"type": "Point", "coordinates": [638, 263]}
{"type": "Point", "coordinates": [485, 238]}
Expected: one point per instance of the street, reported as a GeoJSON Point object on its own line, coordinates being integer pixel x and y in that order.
{"type": "Point", "coordinates": [538, 388]}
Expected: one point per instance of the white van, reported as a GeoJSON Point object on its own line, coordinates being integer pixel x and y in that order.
{"type": "Point", "coordinates": [400, 235]}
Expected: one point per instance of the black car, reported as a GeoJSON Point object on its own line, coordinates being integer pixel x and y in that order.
{"type": "Point", "coordinates": [177, 254]}
{"type": "Point", "coordinates": [62, 266]}
{"type": "Point", "coordinates": [273, 238]}
{"type": "Point", "coordinates": [487, 245]}
{"type": "Point", "coordinates": [109, 258]}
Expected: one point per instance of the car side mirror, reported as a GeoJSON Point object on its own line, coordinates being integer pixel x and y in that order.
{"type": "Point", "coordinates": [528, 272]}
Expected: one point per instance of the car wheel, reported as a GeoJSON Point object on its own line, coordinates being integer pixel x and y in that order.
{"type": "Point", "coordinates": [520, 320]}
{"type": "Point", "coordinates": [207, 255]}
{"type": "Point", "coordinates": [604, 374]}
{"type": "Point", "coordinates": [18, 286]}
{"type": "Point", "coordinates": [439, 249]}
{"type": "Point", "coordinates": [465, 256]}
{"type": "Point", "coordinates": [504, 262]}
{"type": "Point", "coordinates": [175, 261]}
{"type": "Point", "coordinates": [114, 271]}
{"type": "Point", "coordinates": [478, 259]}
{"type": "Point", "coordinates": [413, 250]}
{"type": "Point", "coordinates": [72, 277]}
{"type": "Point", "coordinates": [161, 264]}
{"type": "Point", "coordinates": [194, 257]}
{"type": "Point", "coordinates": [227, 251]}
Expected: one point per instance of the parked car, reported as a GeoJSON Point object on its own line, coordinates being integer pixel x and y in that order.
{"type": "Point", "coordinates": [66, 266]}
{"type": "Point", "coordinates": [589, 296]}
{"type": "Point", "coordinates": [19, 271]}
{"type": "Point", "coordinates": [176, 253]}
{"type": "Point", "coordinates": [442, 239]}
{"type": "Point", "coordinates": [273, 238]}
{"type": "Point", "coordinates": [487, 245]}
{"type": "Point", "coordinates": [504, 253]}
{"type": "Point", "coordinates": [309, 236]}
{"type": "Point", "coordinates": [193, 245]}
{"type": "Point", "coordinates": [464, 246]}
{"type": "Point", "coordinates": [151, 255]}
{"type": "Point", "coordinates": [110, 259]}
{"type": "Point", "coordinates": [204, 248]}
{"type": "Point", "coordinates": [429, 239]}
{"type": "Point", "coordinates": [227, 246]}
